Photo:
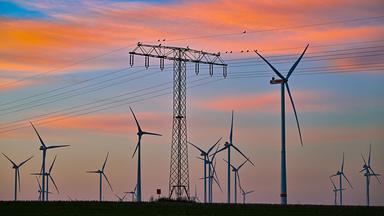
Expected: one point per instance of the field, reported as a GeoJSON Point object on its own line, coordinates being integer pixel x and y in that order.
{"type": "Point", "coordinates": [118, 208]}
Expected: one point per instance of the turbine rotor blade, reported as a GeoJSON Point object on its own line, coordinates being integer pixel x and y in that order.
{"type": "Point", "coordinates": [110, 186]}
{"type": "Point", "coordinates": [222, 149]}
{"type": "Point", "coordinates": [38, 135]}
{"type": "Point", "coordinates": [92, 171]}
{"type": "Point", "coordinates": [137, 146]}
{"type": "Point", "coordinates": [270, 65]}
{"type": "Point", "coordinates": [333, 183]}
{"type": "Point", "coordinates": [374, 174]}
{"type": "Point", "coordinates": [297, 62]}
{"type": "Point", "coordinates": [9, 160]}
{"type": "Point", "coordinates": [201, 150]}
{"type": "Point", "coordinates": [54, 183]}
{"type": "Point", "coordinates": [347, 180]}
{"type": "Point", "coordinates": [242, 164]}
{"type": "Point", "coordinates": [38, 183]}
{"type": "Point", "coordinates": [369, 157]}
{"type": "Point", "coordinates": [50, 168]}
{"type": "Point", "coordinates": [231, 132]}
{"type": "Point", "coordinates": [57, 146]}
{"type": "Point", "coordinates": [365, 163]}
{"type": "Point", "coordinates": [105, 162]}
{"type": "Point", "coordinates": [137, 123]}
{"type": "Point", "coordinates": [210, 149]}
{"type": "Point", "coordinates": [22, 163]}
{"type": "Point", "coordinates": [243, 155]}
{"type": "Point", "coordinates": [294, 111]}
{"type": "Point", "coordinates": [230, 164]}
{"type": "Point", "coordinates": [150, 133]}
{"type": "Point", "coordinates": [342, 164]}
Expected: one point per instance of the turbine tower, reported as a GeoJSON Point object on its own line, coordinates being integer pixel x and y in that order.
{"type": "Point", "coordinates": [341, 174]}
{"type": "Point", "coordinates": [368, 172]}
{"type": "Point", "coordinates": [283, 81]}
{"type": "Point", "coordinates": [237, 177]}
{"type": "Point", "coordinates": [228, 146]}
{"type": "Point", "coordinates": [17, 173]}
{"type": "Point", "coordinates": [179, 171]}
{"type": "Point", "coordinates": [205, 155]}
{"type": "Point", "coordinates": [101, 175]}
{"type": "Point", "coordinates": [140, 133]}
{"type": "Point", "coordinates": [44, 149]}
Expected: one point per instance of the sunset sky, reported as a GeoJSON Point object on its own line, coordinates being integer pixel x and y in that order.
{"type": "Point", "coordinates": [64, 65]}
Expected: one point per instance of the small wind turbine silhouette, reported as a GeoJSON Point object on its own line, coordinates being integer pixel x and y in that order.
{"type": "Point", "coordinates": [44, 149]}
{"type": "Point", "coordinates": [140, 133]}
{"type": "Point", "coordinates": [283, 81]}
{"type": "Point", "coordinates": [133, 193]}
{"type": "Point", "coordinates": [335, 190]}
{"type": "Point", "coordinates": [245, 193]}
{"type": "Point", "coordinates": [48, 176]}
{"type": "Point", "coordinates": [101, 175]}
{"type": "Point", "coordinates": [17, 173]}
{"type": "Point", "coordinates": [368, 172]}
{"type": "Point", "coordinates": [341, 175]}
{"type": "Point", "coordinates": [237, 176]}
{"type": "Point", "coordinates": [228, 146]}
{"type": "Point", "coordinates": [39, 191]}
{"type": "Point", "coordinates": [212, 177]}
{"type": "Point", "coordinates": [205, 155]}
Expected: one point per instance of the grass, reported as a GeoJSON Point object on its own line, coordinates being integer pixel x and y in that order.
{"type": "Point", "coordinates": [175, 208]}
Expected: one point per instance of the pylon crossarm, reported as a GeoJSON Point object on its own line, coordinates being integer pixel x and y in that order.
{"type": "Point", "coordinates": [167, 52]}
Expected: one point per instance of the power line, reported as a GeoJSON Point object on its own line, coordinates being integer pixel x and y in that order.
{"type": "Point", "coordinates": [109, 107]}
{"type": "Point", "coordinates": [241, 76]}
{"type": "Point", "coordinates": [280, 57]}
{"type": "Point", "coordinates": [21, 108]}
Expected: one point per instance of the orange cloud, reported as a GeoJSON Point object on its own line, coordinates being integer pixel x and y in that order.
{"type": "Point", "coordinates": [32, 46]}
{"type": "Point", "coordinates": [111, 123]}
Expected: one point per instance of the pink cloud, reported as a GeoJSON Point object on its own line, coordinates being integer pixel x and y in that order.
{"type": "Point", "coordinates": [268, 102]}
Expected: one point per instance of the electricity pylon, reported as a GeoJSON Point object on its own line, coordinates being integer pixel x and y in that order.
{"type": "Point", "coordinates": [179, 173]}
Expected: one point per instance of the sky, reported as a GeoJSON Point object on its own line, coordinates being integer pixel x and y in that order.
{"type": "Point", "coordinates": [65, 66]}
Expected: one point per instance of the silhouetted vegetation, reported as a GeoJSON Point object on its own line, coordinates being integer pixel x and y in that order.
{"type": "Point", "coordinates": [177, 208]}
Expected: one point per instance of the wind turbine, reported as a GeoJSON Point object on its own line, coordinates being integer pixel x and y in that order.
{"type": "Point", "coordinates": [44, 149]}
{"type": "Point", "coordinates": [368, 173]}
{"type": "Point", "coordinates": [205, 155]}
{"type": "Point", "coordinates": [335, 190]}
{"type": "Point", "coordinates": [132, 193]}
{"type": "Point", "coordinates": [101, 174]}
{"type": "Point", "coordinates": [245, 193]}
{"type": "Point", "coordinates": [212, 177]}
{"type": "Point", "coordinates": [48, 176]}
{"type": "Point", "coordinates": [237, 176]}
{"type": "Point", "coordinates": [228, 146]}
{"type": "Point", "coordinates": [140, 133]}
{"type": "Point", "coordinates": [341, 174]}
{"type": "Point", "coordinates": [39, 190]}
{"type": "Point", "coordinates": [17, 172]}
{"type": "Point", "coordinates": [283, 81]}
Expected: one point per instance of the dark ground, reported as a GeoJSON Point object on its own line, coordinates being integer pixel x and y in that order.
{"type": "Point", "coordinates": [174, 208]}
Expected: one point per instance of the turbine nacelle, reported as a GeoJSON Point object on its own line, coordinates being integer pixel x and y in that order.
{"type": "Point", "coordinates": [277, 81]}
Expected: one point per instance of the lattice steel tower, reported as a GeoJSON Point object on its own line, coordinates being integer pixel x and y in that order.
{"type": "Point", "coordinates": [179, 172]}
